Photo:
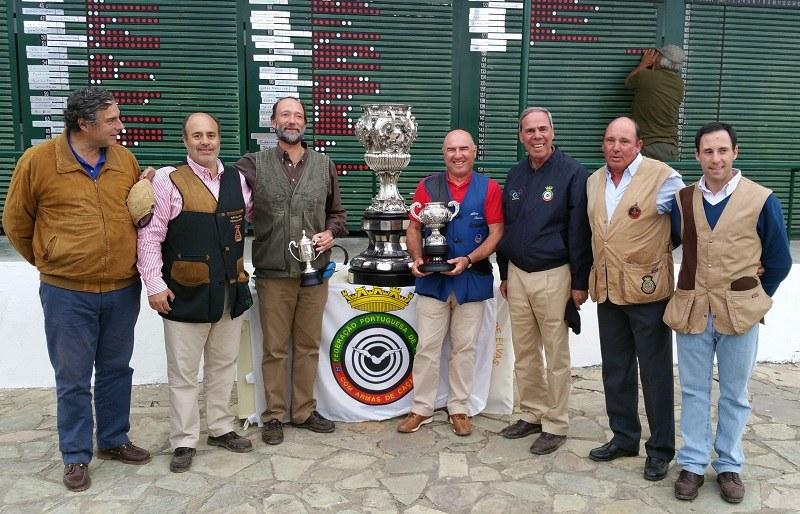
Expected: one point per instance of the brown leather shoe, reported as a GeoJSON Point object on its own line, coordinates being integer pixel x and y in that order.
{"type": "Point", "coordinates": [272, 432]}
{"type": "Point", "coordinates": [128, 453]}
{"type": "Point", "coordinates": [521, 429]}
{"type": "Point", "coordinates": [317, 423]}
{"type": "Point", "coordinates": [181, 459]}
{"type": "Point", "coordinates": [76, 477]}
{"type": "Point", "coordinates": [461, 424]}
{"type": "Point", "coordinates": [731, 487]}
{"type": "Point", "coordinates": [687, 484]}
{"type": "Point", "coordinates": [412, 423]}
{"type": "Point", "coordinates": [547, 443]}
{"type": "Point", "coordinates": [232, 442]}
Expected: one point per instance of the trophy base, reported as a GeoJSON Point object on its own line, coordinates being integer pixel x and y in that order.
{"type": "Point", "coordinates": [385, 262]}
{"type": "Point", "coordinates": [437, 267]}
{"type": "Point", "coordinates": [311, 279]}
{"type": "Point", "coordinates": [380, 279]}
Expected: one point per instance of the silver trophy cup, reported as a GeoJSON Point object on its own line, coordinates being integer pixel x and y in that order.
{"type": "Point", "coordinates": [435, 215]}
{"type": "Point", "coordinates": [310, 276]}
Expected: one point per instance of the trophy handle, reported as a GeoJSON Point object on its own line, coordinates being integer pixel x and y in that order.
{"type": "Point", "coordinates": [411, 211]}
{"type": "Point", "coordinates": [291, 244]}
{"type": "Point", "coordinates": [456, 207]}
{"type": "Point", "coordinates": [346, 255]}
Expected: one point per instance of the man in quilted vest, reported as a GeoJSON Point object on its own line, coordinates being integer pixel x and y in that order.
{"type": "Point", "coordinates": [735, 254]}
{"type": "Point", "coordinates": [453, 301]}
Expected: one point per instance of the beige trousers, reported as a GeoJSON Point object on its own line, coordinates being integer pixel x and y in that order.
{"type": "Point", "coordinates": [286, 309]}
{"type": "Point", "coordinates": [434, 320]}
{"type": "Point", "coordinates": [536, 302]}
{"type": "Point", "coordinates": [218, 345]}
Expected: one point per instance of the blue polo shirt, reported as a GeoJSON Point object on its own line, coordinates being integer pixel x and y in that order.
{"type": "Point", "coordinates": [92, 171]}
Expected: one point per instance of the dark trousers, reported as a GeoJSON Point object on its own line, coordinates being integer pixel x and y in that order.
{"type": "Point", "coordinates": [88, 331]}
{"type": "Point", "coordinates": [631, 334]}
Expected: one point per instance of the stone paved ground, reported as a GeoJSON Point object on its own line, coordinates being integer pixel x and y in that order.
{"type": "Point", "coordinates": [368, 467]}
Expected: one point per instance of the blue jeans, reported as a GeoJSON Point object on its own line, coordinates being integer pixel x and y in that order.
{"type": "Point", "coordinates": [85, 331]}
{"type": "Point", "coordinates": [736, 356]}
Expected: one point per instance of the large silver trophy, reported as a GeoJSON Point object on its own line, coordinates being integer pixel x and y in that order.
{"type": "Point", "coordinates": [386, 131]}
{"type": "Point", "coordinates": [435, 216]}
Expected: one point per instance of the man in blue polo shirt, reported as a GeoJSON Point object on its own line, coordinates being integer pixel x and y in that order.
{"type": "Point", "coordinates": [544, 259]}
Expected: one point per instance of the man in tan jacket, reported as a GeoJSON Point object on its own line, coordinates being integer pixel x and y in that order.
{"type": "Point", "coordinates": [629, 201]}
{"type": "Point", "coordinates": [735, 254]}
{"type": "Point", "coordinates": [66, 214]}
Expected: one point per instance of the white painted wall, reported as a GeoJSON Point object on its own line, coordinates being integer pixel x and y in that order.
{"type": "Point", "coordinates": [24, 361]}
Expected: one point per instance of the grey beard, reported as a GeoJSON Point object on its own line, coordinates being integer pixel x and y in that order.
{"type": "Point", "coordinates": [289, 138]}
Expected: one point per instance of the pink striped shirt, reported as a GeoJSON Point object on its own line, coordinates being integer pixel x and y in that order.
{"type": "Point", "coordinates": [168, 205]}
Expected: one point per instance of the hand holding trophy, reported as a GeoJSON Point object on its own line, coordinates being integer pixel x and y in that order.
{"type": "Point", "coordinates": [435, 215]}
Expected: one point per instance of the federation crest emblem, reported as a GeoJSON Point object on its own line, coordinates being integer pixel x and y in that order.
{"type": "Point", "coordinates": [547, 195]}
{"type": "Point", "coordinates": [478, 238]}
{"type": "Point", "coordinates": [372, 355]}
{"type": "Point", "coordinates": [634, 212]}
{"type": "Point", "coordinates": [648, 284]}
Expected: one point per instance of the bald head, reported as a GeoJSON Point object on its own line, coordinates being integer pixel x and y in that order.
{"type": "Point", "coordinates": [625, 123]}
{"type": "Point", "coordinates": [459, 153]}
{"type": "Point", "coordinates": [621, 144]}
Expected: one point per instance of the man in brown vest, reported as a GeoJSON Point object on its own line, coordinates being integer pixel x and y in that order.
{"type": "Point", "coordinates": [629, 201]}
{"type": "Point", "coordinates": [190, 257]}
{"type": "Point", "coordinates": [730, 228]}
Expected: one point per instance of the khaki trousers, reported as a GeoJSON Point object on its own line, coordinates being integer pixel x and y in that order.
{"type": "Point", "coordinates": [286, 309]}
{"type": "Point", "coordinates": [186, 343]}
{"type": "Point", "coordinates": [536, 303]}
{"type": "Point", "coordinates": [434, 320]}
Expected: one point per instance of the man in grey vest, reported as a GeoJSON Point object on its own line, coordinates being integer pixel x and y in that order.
{"type": "Point", "coordinates": [295, 189]}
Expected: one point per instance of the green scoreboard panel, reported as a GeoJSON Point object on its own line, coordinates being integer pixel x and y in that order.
{"type": "Point", "coordinates": [580, 54]}
{"type": "Point", "coordinates": [467, 64]}
{"type": "Point", "coordinates": [9, 122]}
{"type": "Point", "coordinates": [337, 56]}
{"type": "Point", "coordinates": [161, 60]}
{"type": "Point", "coordinates": [743, 69]}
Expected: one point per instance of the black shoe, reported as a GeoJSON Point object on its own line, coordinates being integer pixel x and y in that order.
{"type": "Point", "coordinates": [316, 423]}
{"type": "Point", "coordinates": [521, 429]}
{"type": "Point", "coordinates": [655, 469]}
{"type": "Point", "coordinates": [181, 459]}
{"type": "Point", "coordinates": [611, 451]}
{"type": "Point", "coordinates": [231, 441]}
{"type": "Point", "coordinates": [272, 432]}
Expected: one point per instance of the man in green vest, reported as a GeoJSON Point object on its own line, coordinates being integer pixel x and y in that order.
{"type": "Point", "coordinates": [295, 189]}
{"type": "Point", "coordinates": [735, 254]}
{"type": "Point", "coordinates": [658, 93]}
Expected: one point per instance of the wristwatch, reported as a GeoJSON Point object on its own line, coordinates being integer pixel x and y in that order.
{"type": "Point", "coordinates": [469, 261]}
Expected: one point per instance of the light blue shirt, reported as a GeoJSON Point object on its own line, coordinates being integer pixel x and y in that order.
{"type": "Point", "coordinates": [664, 197]}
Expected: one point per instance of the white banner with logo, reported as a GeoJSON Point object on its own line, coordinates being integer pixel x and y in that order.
{"type": "Point", "coordinates": [366, 356]}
